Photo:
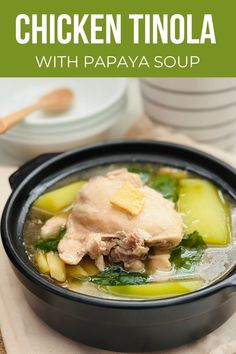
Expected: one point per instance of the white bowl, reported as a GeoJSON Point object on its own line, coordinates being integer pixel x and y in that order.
{"type": "Point", "coordinates": [207, 134]}
{"type": "Point", "coordinates": [92, 96]}
{"type": "Point", "coordinates": [189, 118]}
{"type": "Point", "coordinates": [101, 104]}
{"type": "Point", "coordinates": [227, 143]}
{"type": "Point", "coordinates": [186, 101]}
{"type": "Point", "coordinates": [194, 85]}
{"type": "Point", "coordinates": [22, 151]}
{"type": "Point", "coordinates": [73, 135]}
{"type": "Point", "coordinates": [32, 132]}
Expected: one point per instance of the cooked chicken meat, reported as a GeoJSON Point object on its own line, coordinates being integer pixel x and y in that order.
{"type": "Point", "coordinates": [53, 226]}
{"type": "Point", "coordinates": [159, 261]}
{"type": "Point", "coordinates": [97, 228]}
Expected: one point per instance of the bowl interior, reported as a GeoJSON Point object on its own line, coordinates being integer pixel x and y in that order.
{"type": "Point", "coordinates": [28, 188]}
{"type": "Point", "coordinates": [92, 96]}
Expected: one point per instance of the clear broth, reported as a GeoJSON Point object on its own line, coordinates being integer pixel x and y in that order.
{"type": "Point", "coordinates": [216, 262]}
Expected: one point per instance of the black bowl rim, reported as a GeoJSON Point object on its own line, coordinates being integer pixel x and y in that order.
{"type": "Point", "coordinates": [37, 279]}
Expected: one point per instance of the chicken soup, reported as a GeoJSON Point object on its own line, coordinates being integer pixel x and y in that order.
{"type": "Point", "coordinates": [135, 231]}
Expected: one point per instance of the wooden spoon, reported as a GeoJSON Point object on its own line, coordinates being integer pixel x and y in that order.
{"type": "Point", "coordinates": [56, 101]}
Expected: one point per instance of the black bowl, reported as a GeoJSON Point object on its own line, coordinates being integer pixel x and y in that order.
{"type": "Point", "coordinates": [119, 325]}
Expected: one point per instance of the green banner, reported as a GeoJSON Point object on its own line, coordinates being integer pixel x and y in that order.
{"type": "Point", "coordinates": [152, 38]}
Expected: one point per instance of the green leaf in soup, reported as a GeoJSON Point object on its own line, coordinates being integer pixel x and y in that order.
{"type": "Point", "coordinates": [166, 185]}
{"type": "Point", "coordinates": [193, 240]}
{"type": "Point", "coordinates": [51, 243]}
{"type": "Point", "coordinates": [189, 252]}
{"type": "Point", "coordinates": [116, 275]}
{"type": "Point", "coordinates": [144, 173]}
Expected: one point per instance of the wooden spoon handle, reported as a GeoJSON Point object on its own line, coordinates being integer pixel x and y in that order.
{"type": "Point", "coordinates": [14, 118]}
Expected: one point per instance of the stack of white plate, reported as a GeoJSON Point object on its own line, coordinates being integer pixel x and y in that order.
{"type": "Point", "coordinates": [203, 108]}
{"type": "Point", "coordinates": [99, 104]}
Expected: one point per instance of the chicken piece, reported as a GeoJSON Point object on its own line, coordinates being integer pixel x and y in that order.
{"type": "Point", "coordinates": [159, 261]}
{"type": "Point", "coordinates": [157, 220]}
{"type": "Point", "coordinates": [100, 263]}
{"type": "Point", "coordinates": [52, 226]}
{"type": "Point", "coordinates": [134, 265]}
{"type": "Point", "coordinates": [125, 176]}
{"type": "Point", "coordinates": [78, 242]}
{"type": "Point", "coordinates": [95, 227]}
{"type": "Point", "coordinates": [128, 249]}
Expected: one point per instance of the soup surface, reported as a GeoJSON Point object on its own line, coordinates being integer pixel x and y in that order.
{"type": "Point", "coordinates": [135, 231]}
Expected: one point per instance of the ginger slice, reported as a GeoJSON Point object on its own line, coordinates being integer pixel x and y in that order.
{"type": "Point", "coordinates": [129, 198]}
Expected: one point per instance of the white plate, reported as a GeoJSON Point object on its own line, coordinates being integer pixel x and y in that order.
{"type": "Point", "coordinates": [192, 119]}
{"type": "Point", "coordinates": [32, 131]}
{"type": "Point", "coordinates": [77, 135]}
{"type": "Point", "coordinates": [194, 85]}
{"type": "Point", "coordinates": [23, 152]}
{"type": "Point", "coordinates": [183, 101]}
{"type": "Point", "coordinates": [92, 96]}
